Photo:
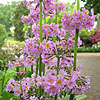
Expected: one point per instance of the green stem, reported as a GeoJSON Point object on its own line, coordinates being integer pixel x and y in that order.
{"type": "Point", "coordinates": [40, 72]}
{"type": "Point", "coordinates": [21, 89]}
{"type": "Point", "coordinates": [44, 18]}
{"type": "Point", "coordinates": [31, 31]}
{"type": "Point", "coordinates": [36, 70]}
{"type": "Point", "coordinates": [56, 97]}
{"type": "Point", "coordinates": [40, 21]}
{"type": "Point", "coordinates": [56, 14]}
{"type": "Point", "coordinates": [31, 69]}
{"type": "Point", "coordinates": [45, 23]}
{"type": "Point", "coordinates": [75, 48]}
{"type": "Point", "coordinates": [26, 70]}
{"type": "Point", "coordinates": [3, 79]}
{"type": "Point", "coordinates": [17, 70]}
{"type": "Point", "coordinates": [78, 5]}
{"type": "Point", "coordinates": [58, 67]}
{"type": "Point", "coordinates": [43, 69]}
{"type": "Point", "coordinates": [40, 67]}
{"type": "Point", "coordinates": [71, 97]}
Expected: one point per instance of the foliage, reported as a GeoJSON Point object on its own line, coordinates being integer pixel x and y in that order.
{"type": "Point", "coordinates": [93, 4]}
{"type": "Point", "coordinates": [96, 37]}
{"type": "Point", "coordinates": [78, 97]}
{"type": "Point", "coordinates": [86, 32]}
{"type": "Point", "coordinates": [6, 12]}
{"type": "Point", "coordinates": [3, 35]}
{"type": "Point", "coordinates": [19, 11]}
{"type": "Point", "coordinates": [90, 37]}
{"type": "Point", "coordinates": [6, 96]}
{"type": "Point", "coordinates": [94, 48]}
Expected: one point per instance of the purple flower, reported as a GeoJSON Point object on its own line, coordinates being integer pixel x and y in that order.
{"type": "Point", "coordinates": [9, 87]}
{"type": "Point", "coordinates": [71, 84]}
{"type": "Point", "coordinates": [17, 91]}
{"type": "Point", "coordinates": [33, 98]}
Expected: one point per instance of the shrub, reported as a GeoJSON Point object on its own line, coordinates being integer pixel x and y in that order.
{"type": "Point", "coordinates": [3, 35]}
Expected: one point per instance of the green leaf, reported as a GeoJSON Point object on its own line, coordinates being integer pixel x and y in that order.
{"type": "Point", "coordinates": [51, 98]}
{"type": "Point", "coordinates": [8, 75]}
{"type": "Point", "coordinates": [80, 97]}
{"type": "Point", "coordinates": [6, 96]}
{"type": "Point", "coordinates": [65, 98]}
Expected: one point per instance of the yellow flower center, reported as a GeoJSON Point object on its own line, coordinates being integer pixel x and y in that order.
{"type": "Point", "coordinates": [75, 14]}
{"type": "Point", "coordinates": [30, 44]}
{"type": "Point", "coordinates": [47, 45]}
{"type": "Point", "coordinates": [29, 61]}
{"type": "Point", "coordinates": [85, 12]}
{"type": "Point", "coordinates": [68, 24]}
{"type": "Point", "coordinates": [45, 26]}
{"type": "Point", "coordinates": [52, 87]}
{"type": "Point", "coordinates": [50, 80]}
{"type": "Point", "coordinates": [39, 47]}
{"type": "Point", "coordinates": [75, 23]}
{"type": "Point", "coordinates": [70, 83]}
{"type": "Point", "coordinates": [67, 16]}
{"type": "Point", "coordinates": [34, 52]}
{"type": "Point", "coordinates": [17, 91]}
{"type": "Point", "coordinates": [26, 87]}
{"type": "Point", "coordinates": [59, 82]}
{"type": "Point", "coordinates": [79, 17]}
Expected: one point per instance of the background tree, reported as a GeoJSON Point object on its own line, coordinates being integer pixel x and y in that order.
{"type": "Point", "coordinates": [93, 4]}
{"type": "Point", "coordinates": [16, 20]}
{"type": "Point", "coordinates": [6, 13]}
{"type": "Point", "coordinates": [3, 35]}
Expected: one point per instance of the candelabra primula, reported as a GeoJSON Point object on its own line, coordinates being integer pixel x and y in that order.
{"type": "Point", "coordinates": [55, 70]}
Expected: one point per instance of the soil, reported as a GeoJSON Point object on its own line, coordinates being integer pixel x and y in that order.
{"type": "Point", "coordinates": [91, 67]}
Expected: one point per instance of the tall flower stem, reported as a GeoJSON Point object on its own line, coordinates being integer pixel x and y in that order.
{"type": "Point", "coordinates": [40, 67]}
{"type": "Point", "coordinates": [58, 68]}
{"type": "Point", "coordinates": [56, 14]}
{"type": "Point", "coordinates": [44, 18]}
{"type": "Point", "coordinates": [75, 47]}
{"type": "Point", "coordinates": [17, 70]}
{"type": "Point", "coordinates": [31, 69]}
{"type": "Point", "coordinates": [21, 89]}
{"type": "Point", "coordinates": [36, 70]}
{"type": "Point", "coordinates": [45, 38]}
{"type": "Point", "coordinates": [78, 5]}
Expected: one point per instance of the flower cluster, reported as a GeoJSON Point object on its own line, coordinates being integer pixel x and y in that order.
{"type": "Point", "coordinates": [22, 62]}
{"type": "Point", "coordinates": [52, 63]}
{"type": "Point", "coordinates": [49, 30]}
{"type": "Point", "coordinates": [49, 8]}
{"type": "Point", "coordinates": [78, 20]}
{"type": "Point", "coordinates": [49, 50]}
{"type": "Point", "coordinates": [51, 83]}
{"type": "Point", "coordinates": [26, 85]}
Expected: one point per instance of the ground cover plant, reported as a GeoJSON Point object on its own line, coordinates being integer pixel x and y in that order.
{"type": "Point", "coordinates": [46, 69]}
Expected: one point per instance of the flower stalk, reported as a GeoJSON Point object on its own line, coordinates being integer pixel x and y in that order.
{"type": "Point", "coordinates": [75, 47]}
{"type": "Point", "coordinates": [40, 67]}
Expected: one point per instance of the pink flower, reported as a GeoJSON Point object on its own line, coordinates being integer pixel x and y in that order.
{"type": "Point", "coordinates": [17, 91]}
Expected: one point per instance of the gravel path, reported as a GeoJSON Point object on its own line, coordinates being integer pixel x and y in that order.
{"type": "Point", "coordinates": [91, 67]}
